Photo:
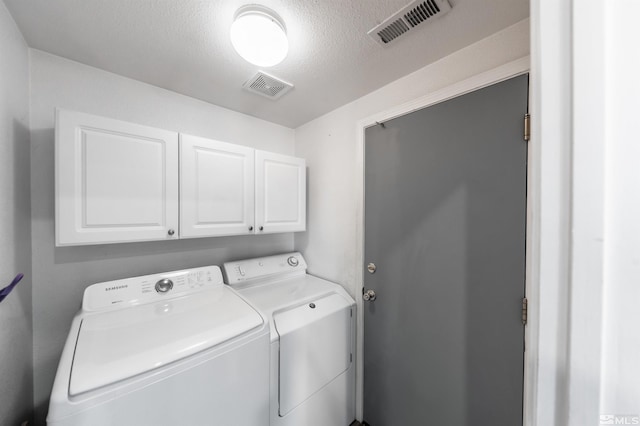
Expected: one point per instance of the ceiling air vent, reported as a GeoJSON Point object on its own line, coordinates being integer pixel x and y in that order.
{"type": "Point", "coordinates": [267, 85]}
{"type": "Point", "coordinates": [408, 18]}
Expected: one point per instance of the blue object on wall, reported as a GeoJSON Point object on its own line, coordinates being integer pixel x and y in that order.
{"type": "Point", "coordinates": [5, 291]}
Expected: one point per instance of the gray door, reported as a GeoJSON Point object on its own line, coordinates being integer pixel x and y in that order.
{"type": "Point", "coordinates": [445, 212]}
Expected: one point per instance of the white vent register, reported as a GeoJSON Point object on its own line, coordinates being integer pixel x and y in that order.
{"type": "Point", "coordinates": [267, 85]}
{"type": "Point", "coordinates": [408, 18]}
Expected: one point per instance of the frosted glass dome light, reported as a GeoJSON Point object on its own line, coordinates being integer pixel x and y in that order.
{"type": "Point", "coordinates": [258, 34]}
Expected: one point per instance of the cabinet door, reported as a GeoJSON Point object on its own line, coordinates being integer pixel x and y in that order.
{"type": "Point", "coordinates": [280, 193]}
{"type": "Point", "coordinates": [115, 181]}
{"type": "Point", "coordinates": [216, 188]}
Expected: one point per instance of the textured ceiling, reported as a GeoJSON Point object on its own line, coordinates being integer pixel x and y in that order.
{"type": "Point", "coordinates": [184, 46]}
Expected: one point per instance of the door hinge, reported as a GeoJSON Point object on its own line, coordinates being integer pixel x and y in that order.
{"type": "Point", "coordinates": [527, 127]}
{"type": "Point", "coordinates": [525, 311]}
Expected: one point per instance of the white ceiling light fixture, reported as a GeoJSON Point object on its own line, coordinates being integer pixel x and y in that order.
{"type": "Point", "coordinates": [259, 35]}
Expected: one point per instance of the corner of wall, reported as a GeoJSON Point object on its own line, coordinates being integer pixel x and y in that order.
{"type": "Point", "coordinates": [16, 335]}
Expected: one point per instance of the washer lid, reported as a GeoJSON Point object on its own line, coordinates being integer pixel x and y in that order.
{"type": "Point", "coordinates": [116, 345]}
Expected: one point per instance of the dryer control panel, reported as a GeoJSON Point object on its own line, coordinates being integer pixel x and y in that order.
{"type": "Point", "coordinates": [150, 288]}
{"type": "Point", "coordinates": [243, 271]}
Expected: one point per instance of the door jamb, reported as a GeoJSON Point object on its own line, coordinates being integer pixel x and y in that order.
{"type": "Point", "coordinates": [487, 78]}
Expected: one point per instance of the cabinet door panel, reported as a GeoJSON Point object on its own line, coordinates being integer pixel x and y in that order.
{"type": "Point", "coordinates": [280, 193]}
{"type": "Point", "coordinates": [115, 181]}
{"type": "Point", "coordinates": [137, 181]}
{"type": "Point", "coordinates": [216, 188]}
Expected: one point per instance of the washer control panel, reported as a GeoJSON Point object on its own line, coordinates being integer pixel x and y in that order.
{"type": "Point", "coordinates": [149, 288]}
{"type": "Point", "coordinates": [262, 267]}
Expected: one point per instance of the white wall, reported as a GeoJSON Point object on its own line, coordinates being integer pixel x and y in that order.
{"type": "Point", "coordinates": [61, 274]}
{"type": "Point", "coordinates": [620, 393]}
{"type": "Point", "coordinates": [329, 145]}
{"type": "Point", "coordinates": [15, 243]}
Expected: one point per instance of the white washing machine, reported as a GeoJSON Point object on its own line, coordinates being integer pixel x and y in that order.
{"type": "Point", "coordinates": [177, 348]}
{"type": "Point", "coordinates": [312, 339]}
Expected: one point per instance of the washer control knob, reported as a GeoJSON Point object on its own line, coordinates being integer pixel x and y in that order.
{"type": "Point", "coordinates": [293, 261]}
{"type": "Point", "coordinates": [163, 286]}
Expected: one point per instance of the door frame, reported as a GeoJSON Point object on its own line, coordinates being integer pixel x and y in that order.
{"type": "Point", "coordinates": [487, 78]}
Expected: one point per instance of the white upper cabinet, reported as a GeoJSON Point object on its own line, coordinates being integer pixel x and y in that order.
{"type": "Point", "coordinates": [120, 182]}
{"type": "Point", "coordinates": [280, 193]}
{"type": "Point", "coordinates": [115, 181]}
{"type": "Point", "coordinates": [216, 188]}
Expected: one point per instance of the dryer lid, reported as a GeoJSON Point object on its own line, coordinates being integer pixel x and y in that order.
{"type": "Point", "coordinates": [116, 345]}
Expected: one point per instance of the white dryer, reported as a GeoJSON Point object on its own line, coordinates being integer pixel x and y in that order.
{"type": "Point", "coordinates": [177, 348]}
{"type": "Point", "coordinates": [312, 339]}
